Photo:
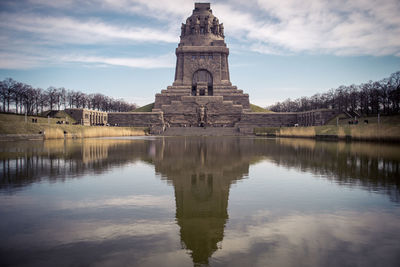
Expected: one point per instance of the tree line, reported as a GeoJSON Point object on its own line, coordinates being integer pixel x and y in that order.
{"type": "Point", "coordinates": [380, 97]}
{"type": "Point", "coordinates": [21, 98]}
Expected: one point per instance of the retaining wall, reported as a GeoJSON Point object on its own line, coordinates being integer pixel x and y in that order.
{"type": "Point", "coordinates": [153, 120]}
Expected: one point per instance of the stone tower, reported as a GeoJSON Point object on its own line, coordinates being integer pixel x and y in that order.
{"type": "Point", "coordinates": [202, 55]}
{"type": "Point", "coordinates": [202, 94]}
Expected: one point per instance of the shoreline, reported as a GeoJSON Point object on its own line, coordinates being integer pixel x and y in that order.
{"type": "Point", "coordinates": [333, 138]}
{"type": "Point", "coordinates": [388, 133]}
{"type": "Point", "coordinates": [42, 137]}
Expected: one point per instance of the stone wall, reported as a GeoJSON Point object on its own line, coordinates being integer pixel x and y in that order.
{"type": "Point", "coordinates": [239, 99]}
{"type": "Point", "coordinates": [251, 120]}
{"type": "Point", "coordinates": [217, 112]}
{"type": "Point", "coordinates": [153, 120]}
{"type": "Point", "coordinates": [315, 117]}
{"type": "Point", "coordinates": [167, 98]}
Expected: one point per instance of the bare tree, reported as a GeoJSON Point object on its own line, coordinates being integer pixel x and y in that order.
{"type": "Point", "coordinates": [368, 98]}
{"type": "Point", "coordinates": [51, 93]}
{"type": "Point", "coordinates": [63, 98]}
{"type": "Point", "coordinates": [36, 99]}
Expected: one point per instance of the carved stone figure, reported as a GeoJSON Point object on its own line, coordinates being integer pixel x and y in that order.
{"type": "Point", "coordinates": [197, 26]}
{"type": "Point", "coordinates": [188, 27]}
{"type": "Point", "coordinates": [183, 28]}
{"type": "Point", "coordinates": [216, 26]}
{"type": "Point", "coordinates": [202, 114]}
{"type": "Point", "coordinates": [207, 25]}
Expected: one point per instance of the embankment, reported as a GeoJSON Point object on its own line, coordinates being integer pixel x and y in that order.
{"type": "Point", "coordinates": [361, 132]}
{"type": "Point", "coordinates": [17, 127]}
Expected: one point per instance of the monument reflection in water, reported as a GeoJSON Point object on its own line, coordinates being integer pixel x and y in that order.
{"type": "Point", "coordinates": [202, 172]}
{"type": "Point", "coordinates": [201, 178]}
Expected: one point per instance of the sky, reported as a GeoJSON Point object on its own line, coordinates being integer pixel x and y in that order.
{"type": "Point", "coordinates": [126, 48]}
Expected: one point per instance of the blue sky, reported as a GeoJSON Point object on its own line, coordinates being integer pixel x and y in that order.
{"type": "Point", "coordinates": [125, 48]}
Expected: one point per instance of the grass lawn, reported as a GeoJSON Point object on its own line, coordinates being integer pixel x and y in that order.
{"type": "Point", "coordinates": [16, 124]}
{"type": "Point", "coordinates": [255, 108]}
{"type": "Point", "coordinates": [147, 108]}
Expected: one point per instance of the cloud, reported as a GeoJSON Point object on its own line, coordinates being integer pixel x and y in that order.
{"type": "Point", "coordinates": [38, 32]}
{"type": "Point", "coordinates": [329, 27]}
{"type": "Point", "coordinates": [18, 61]}
{"type": "Point", "coordinates": [157, 9]}
{"type": "Point", "coordinates": [32, 40]}
{"type": "Point", "coordinates": [165, 61]}
{"type": "Point", "coordinates": [70, 30]}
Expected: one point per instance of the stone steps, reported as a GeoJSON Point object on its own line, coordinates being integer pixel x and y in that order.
{"type": "Point", "coordinates": [225, 87]}
{"type": "Point", "coordinates": [200, 131]}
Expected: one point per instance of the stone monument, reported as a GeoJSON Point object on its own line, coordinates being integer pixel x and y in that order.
{"type": "Point", "coordinates": [202, 94]}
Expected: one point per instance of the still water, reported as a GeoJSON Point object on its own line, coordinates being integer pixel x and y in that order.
{"type": "Point", "coordinates": [199, 201]}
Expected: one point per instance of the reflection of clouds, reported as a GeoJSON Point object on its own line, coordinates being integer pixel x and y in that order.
{"type": "Point", "coordinates": [149, 201]}
{"type": "Point", "coordinates": [98, 226]}
{"type": "Point", "coordinates": [94, 231]}
{"type": "Point", "coordinates": [60, 231]}
{"type": "Point", "coordinates": [162, 202]}
{"type": "Point", "coordinates": [313, 240]}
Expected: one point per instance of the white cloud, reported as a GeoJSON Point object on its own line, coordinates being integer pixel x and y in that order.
{"type": "Point", "coordinates": [157, 9]}
{"type": "Point", "coordinates": [286, 27]}
{"type": "Point", "coordinates": [70, 30]}
{"type": "Point", "coordinates": [18, 61]}
{"type": "Point", "coordinates": [165, 61]}
{"type": "Point", "coordinates": [31, 40]}
{"type": "Point", "coordinates": [335, 27]}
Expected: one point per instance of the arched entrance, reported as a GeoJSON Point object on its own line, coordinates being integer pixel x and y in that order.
{"type": "Point", "coordinates": [202, 83]}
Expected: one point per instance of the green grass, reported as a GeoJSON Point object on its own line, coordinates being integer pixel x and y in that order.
{"type": "Point", "coordinates": [15, 124]}
{"type": "Point", "coordinates": [255, 108]}
{"type": "Point", "coordinates": [147, 108]}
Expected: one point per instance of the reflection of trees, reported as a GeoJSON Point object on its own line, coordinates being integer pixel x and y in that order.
{"type": "Point", "coordinates": [373, 166]}
{"type": "Point", "coordinates": [27, 162]}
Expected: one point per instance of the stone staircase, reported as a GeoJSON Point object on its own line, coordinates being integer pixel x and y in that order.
{"type": "Point", "coordinates": [200, 131]}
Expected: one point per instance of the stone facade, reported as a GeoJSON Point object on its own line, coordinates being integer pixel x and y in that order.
{"type": "Point", "coordinates": [87, 117]}
{"type": "Point", "coordinates": [202, 94]}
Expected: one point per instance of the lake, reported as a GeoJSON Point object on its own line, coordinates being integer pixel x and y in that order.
{"type": "Point", "coordinates": [218, 201]}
